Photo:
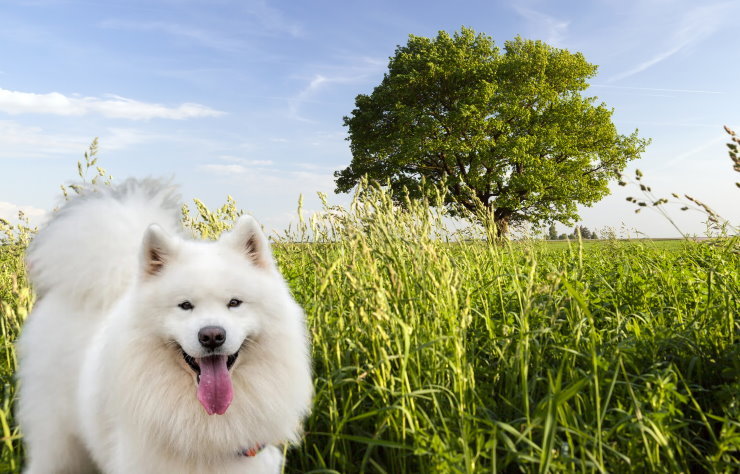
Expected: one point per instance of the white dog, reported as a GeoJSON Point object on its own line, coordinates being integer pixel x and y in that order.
{"type": "Point", "coordinates": [150, 353]}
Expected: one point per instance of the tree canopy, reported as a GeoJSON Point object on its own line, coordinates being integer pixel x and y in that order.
{"type": "Point", "coordinates": [508, 132]}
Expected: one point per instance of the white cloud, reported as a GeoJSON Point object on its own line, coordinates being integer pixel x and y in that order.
{"type": "Point", "coordinates": [550, 29]}
{"type": "Point", "coordinates": [662, 56]}
{"type": "Point", "coordinates": [350, 70]}
{"type": "Point", "coordinates": [9, 212]}
{"type": "Point", "coordinates": [305, 95]}
{"type": "Point", "coordinates": [693, 26]}
{"type": "Point", "coordinates": [699, 151]}
{"type": "Point", "coordinates": [315, 85]}
{"type": "Point", "coordinates": [54, 103]}
{"type": "Point", "coordinates": [237, 166]}
{"type": "Point", "coordinates": [225, 169]}
{"type": "Point", "coordinates": [208, 39]}
{"type": "Point", "coordinates": [271, 19]}
{"type": "Point", "coordinates": [119, 138]}
{"type": "Point", "coordinates": [20, 141]}
{"type": "Point", "coordinates": [244, 161]}
{"type": "Point", "coordinates": [306, 179]}
{"type": "Point", "coordinates": [256, 16]}
{"type": "Point", "coordinates": [279, 222]}
{"type": "Point", "coordinates": [276, 189]}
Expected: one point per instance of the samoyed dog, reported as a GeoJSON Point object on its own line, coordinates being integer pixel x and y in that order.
{"type": "Point", "coordinates": [148, 352]}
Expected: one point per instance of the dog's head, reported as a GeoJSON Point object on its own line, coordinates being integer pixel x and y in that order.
{"type": "Point", "coordinates": [211, 300]}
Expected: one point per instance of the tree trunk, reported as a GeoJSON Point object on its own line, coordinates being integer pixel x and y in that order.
{"type": "Point", "coordinates": [498, 226]}
{"type": "Point", "coordinates": [502, 227]}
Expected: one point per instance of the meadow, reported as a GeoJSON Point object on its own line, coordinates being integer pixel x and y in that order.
{"type": "Point", "coordinates": [440, 352]}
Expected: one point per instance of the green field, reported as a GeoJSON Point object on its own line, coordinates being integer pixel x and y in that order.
{"type": "Point", "coordinates": [438, 355]}
{"type": "Point", "coordinates": [665, 244]}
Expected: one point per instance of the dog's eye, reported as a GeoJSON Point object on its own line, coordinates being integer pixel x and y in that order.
{"type": "Point", "coordinates": [186, 305]}
{"type": "Point", "coordinates": [233, 303]}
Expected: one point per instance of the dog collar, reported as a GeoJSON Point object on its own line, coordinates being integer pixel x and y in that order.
{"type": "Point", "coordinates": [251, 452]}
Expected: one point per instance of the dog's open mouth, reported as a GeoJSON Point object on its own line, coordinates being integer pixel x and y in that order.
{"type": "Point", "coordinates": [215, 391]}
{"type": "Point", "coordinates": [191, 361]}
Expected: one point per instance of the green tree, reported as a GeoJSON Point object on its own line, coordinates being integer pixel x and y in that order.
{"type": "Point", "coordinates": [506, 132]}
{"type": "Point", "coordinates": [552, 232]}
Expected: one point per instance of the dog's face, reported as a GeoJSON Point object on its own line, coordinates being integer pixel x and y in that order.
{"type": "Point", "coordinates": [210, 300]}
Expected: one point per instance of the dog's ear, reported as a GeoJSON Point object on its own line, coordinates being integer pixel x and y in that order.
{"type": "Point", "coordinates": [156, 250]}
{"type": "Point", "coordinates": [248, 238]}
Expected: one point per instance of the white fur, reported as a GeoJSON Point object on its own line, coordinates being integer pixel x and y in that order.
{"type": "Point", "coordinates": [103, 384]}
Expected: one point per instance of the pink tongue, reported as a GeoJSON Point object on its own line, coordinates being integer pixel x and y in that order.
{"type": "Point", "coordinates": [214, 389]}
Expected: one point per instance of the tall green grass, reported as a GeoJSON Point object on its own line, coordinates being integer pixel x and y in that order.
{"type": "Point", "coordinates": [439, 352]}
{"type": "Point", "coordinates": [436, 355]}
{"type": "Point", "coordinates": [16, 300]}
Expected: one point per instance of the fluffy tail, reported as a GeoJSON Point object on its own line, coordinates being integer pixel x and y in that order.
{"type": "Point", "coordinates": [88, 251]}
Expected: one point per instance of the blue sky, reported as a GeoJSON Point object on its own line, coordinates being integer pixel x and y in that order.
{"type": "Point", "coordinates": [246, 97]}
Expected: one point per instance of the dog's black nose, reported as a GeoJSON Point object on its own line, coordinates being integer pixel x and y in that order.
{"type": "Point", "coordinates": [211, 337]}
